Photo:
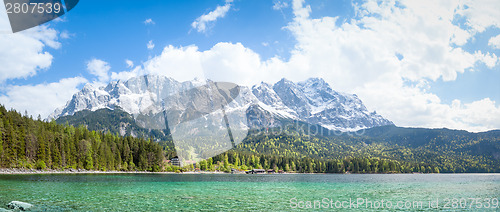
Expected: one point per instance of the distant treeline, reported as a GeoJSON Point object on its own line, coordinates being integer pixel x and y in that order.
{"type": "Point", "coordinates": [234, 159]}
{"type": "Point", "coordinates": [403, 150]}
{"type": "Point", "coordinates": [29, 143]}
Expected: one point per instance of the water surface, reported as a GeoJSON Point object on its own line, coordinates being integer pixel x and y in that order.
{"type": "Point", "coordinates": [285, 192]}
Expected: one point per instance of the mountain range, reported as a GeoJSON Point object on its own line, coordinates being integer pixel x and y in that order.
{"type": "Point", "coordinates": [311, 101]}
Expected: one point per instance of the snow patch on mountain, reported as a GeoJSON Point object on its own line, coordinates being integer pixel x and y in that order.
{"type": "Point", "coordinates": [312, 101]}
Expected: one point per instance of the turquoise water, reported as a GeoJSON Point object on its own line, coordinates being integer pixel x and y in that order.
{"type": "Point", "coordinates": [224, 192]}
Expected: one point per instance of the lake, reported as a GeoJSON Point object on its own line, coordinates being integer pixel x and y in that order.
{"type": "Point", "coordinates": [279, 192]}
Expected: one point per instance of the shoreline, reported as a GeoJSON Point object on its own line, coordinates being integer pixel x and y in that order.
{"type": "Point", "coordinates": [15, 171]}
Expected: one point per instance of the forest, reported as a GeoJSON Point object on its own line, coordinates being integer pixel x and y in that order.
{"type": "Point", "coordinates": [36, 144]}
{"type": "Point", "coordinates": [28, 143]}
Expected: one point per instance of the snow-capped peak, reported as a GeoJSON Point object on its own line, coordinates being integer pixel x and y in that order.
{"type": "Point", "coordinates": [312, 100]}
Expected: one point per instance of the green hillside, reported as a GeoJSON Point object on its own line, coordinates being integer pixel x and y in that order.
{"type": "Point", "coordinates": [448, 150]}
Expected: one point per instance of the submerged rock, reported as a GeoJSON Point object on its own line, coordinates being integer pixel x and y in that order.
{"type": "Point", "coordinates": [19, 205]}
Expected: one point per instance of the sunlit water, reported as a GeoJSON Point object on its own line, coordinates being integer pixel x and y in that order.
{"type": "Point", "coordinates": [221, 192]}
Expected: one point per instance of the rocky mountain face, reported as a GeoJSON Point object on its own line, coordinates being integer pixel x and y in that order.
{"type": "Point", "coordinates": [312, 101]}
{"type": "Point", "coordinates": [315, 102]}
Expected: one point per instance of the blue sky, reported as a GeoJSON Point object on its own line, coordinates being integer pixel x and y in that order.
{"type": "Point", "coordinates": [115, 32]}
{"type": "Point", "coordinates": [421, 64]}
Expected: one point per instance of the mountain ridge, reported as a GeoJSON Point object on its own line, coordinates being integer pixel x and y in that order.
{"type": "Point", "coordinates": [312, 101]}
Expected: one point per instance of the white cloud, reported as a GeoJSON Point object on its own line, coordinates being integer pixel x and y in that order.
{"type": "Point", "coordinates": [494, 42]}
{"type": "Point", "coordinates": [278, 5]}
{"type": "Point", "coordinates": [23, 54]}
{"type": "Point", "coordinates": [66, 35]}
{"type": "Point", "coordinates": [99, 69]}
{"type": "Point", "coordinates": [223, 62]}
{"type": "Point", "coordinates": [482, 112]}
{"type": "Point", "coordinates": [182, 63]}
{"type": "Point", "coordinates": [41, 98]}
{"type": "Point", "coordinates": [150, 45]}
{"type": "Point", "coordinates": [125, 75]}
{"type": "Point", "coordinates": [149, 21]}
{"type": "Point", "coordinates": [202, 22]}
{"type": "Point", "coordinates": [413, 107]}
{"type": "Point", "coordinates": [129, 63]}
{"type": "Point", "coordinates": [480, 14]}
{"type": "Point", "coordinates": [359, 56]}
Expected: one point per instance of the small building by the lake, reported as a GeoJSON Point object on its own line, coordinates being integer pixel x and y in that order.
{"type": "Point", "coordinates": [175, 161]}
